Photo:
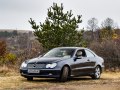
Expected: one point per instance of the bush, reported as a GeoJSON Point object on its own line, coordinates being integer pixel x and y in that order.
{"type": "Point", "coordinates": [110, 51]}
{"type": "Point", "coordinates": [2, 48]}
{"type": "Point", "coordinates": [8, 59]}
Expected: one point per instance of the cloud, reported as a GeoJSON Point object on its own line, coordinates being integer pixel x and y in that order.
{"type": "Point", "coordinates": [15, 13]}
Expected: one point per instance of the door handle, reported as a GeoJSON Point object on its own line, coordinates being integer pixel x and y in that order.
{"type": "Point", "coordinates": [88, 60]}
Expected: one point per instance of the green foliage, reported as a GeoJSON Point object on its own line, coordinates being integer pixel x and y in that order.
{"type": "Point", "coordinates": [8, 59]}
{"type": "Point", "coordinates": [59, 28]}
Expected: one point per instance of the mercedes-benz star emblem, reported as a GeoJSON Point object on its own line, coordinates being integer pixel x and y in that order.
{"type": "Point", "coordinates": [35, 64]}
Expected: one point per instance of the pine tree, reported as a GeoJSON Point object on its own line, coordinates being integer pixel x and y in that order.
{"type": "Point", "coordinates": [59, 28]}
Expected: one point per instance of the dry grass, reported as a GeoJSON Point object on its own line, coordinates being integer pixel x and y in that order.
{"type": "Point", "coordinates": [111, 75]}
{"type": "Point", "coordinates": [7, 71]}
{"type": "Point", "coordinates": [108, 81]}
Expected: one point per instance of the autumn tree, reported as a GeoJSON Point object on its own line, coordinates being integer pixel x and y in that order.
{"type": "Point", "coordinates": [2, 48]}
{"type": "Point", "coordinates": [59, 28]}
{"type": "Point", "coordinates": [107, 30]}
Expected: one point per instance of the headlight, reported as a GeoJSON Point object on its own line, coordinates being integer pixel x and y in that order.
{"type": "Point", "coordinates": [24, 64]}
{"type": "Point", "coordinates": [51, 65]}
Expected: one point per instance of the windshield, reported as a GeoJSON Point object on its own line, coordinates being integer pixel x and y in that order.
{"type": "Point", "coordinates": [57, 52]}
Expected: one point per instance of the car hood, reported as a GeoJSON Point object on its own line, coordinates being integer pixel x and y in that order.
{"type": "Point", "coordinates": [44, 60]}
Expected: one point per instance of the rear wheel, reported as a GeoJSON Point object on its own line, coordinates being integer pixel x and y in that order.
{"type": "Point", "coordinates": [64, 74]}
{"type": "Point", "coordinates": [97, 73]}
{"type": "Point", "coordinates": [30, 78]}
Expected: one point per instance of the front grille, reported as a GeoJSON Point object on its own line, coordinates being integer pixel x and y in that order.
{"type": "Point", "coordinates": [35, 65]}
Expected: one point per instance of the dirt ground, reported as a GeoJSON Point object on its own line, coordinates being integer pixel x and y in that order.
{"type": "Point", "coordinates": [108, 81]}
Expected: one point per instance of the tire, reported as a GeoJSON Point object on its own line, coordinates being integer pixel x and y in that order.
{"type": "Point", "coordinates": [97, 73]}
{"type": "Point", "coordinates": [30, 78]}
{"type": "Point", "coordinates": [64, 74]}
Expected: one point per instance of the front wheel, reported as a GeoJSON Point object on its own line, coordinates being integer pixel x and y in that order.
{"type": "Point", "coordinates": [97, 73]}
{"type": "Point", "coordinates": [64, 74]}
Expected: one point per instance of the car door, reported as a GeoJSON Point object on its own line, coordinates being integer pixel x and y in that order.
{"type": "Point", "coordinates": [80, 65]}
{"type": "Point", "coordinates": [91, 60]}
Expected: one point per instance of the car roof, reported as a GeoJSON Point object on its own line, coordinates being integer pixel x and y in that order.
{"type": "Point", "coordinates": [71, 47]}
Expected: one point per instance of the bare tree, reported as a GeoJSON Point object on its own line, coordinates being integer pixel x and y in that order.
{"type": "Point", "coordinates": [92, 25]}
{"type": "Point", "coordinates": [108, 24]}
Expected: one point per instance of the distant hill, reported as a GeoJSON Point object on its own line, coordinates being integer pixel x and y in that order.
{"type": "Point", "coordinates": [19, 31]}
{"type": "Point", "coordinates": [6, 33]}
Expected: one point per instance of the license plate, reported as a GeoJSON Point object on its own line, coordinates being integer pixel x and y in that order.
{"type": "Point", "coordinates": [33, 71]}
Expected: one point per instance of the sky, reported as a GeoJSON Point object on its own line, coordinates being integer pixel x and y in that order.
{"type": "Point", "coordinates": [14, 14]}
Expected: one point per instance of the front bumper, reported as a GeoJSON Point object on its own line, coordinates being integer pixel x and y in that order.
{"type": "Point", "coordinates": [45, 73]}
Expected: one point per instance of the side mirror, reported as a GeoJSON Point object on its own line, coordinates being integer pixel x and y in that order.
{"type": "Point", "coordinates": [77, 57]}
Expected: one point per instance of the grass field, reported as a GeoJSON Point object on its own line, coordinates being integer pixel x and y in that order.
{"type": "Point", "coordinates": [108, 81]}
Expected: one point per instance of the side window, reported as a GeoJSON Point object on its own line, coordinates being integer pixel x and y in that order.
{"type": "Point", "coordinates": [83, 52]}
{"type": "Point", "coordinates": [89, 54]}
